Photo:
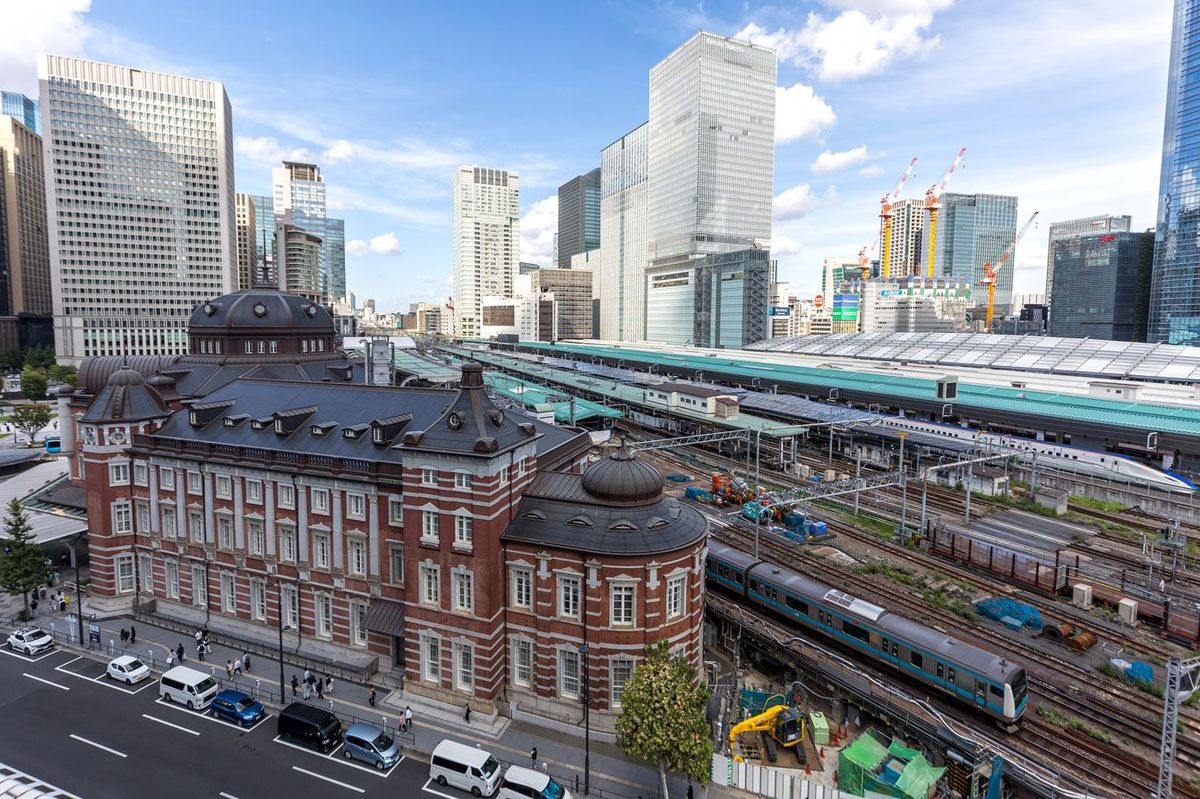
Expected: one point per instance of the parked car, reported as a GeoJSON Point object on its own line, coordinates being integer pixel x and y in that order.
{"type": "Point", "coordinates": [464, 767]}
{"type": "Point", "coordinates": [30, 640]}
{"type": "Point", "coordinates": [238, 707]}
{"type": "Point", "coordinates": [370, 744]}
{"type": "Point", "coordinates": [127, 669]}
{"type": "Point", "coordinates": [309, 726]}
{"type": "Point", "coordinates": [525, 783]}
{"type": "Point", "coordinates": [187, 687]}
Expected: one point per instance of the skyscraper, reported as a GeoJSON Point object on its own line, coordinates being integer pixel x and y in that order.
{"type": "Point", "coordinates": [26, 111]}
{"type": "Point", "coordinates": [620, 284]}
{"type": "Point", "coordinates": [157, 153]}
{"type": "Point", "coordinates": [335, 244]}
{"type": "Point", "coordinates": [1102, 285]}
{"type": "Point", "coordinates": [1175, 290]}
{"type": "Point", "coordinates": [578, 217]}
{"type": "Point", "coordinates": [264, 239]}
{"type": "Point", "coordinates": [1079, 227]}
{"type": "Point", "coordinates": [24, 246]}
{"type": "Point", "coordinates": [298, 257]}
{"type": "Point", "coordinates": [299, 200]}
{"type": "Point", "coordinates": [711, 169]}
{"type": "Point", "coordinates": [487, 240]}
{"type": "Point", "coordinates": [973, 230]}
{"type": "Point", "coordinates": [247, 258]}
{"type": "Point", "coordinates": [908, 236]}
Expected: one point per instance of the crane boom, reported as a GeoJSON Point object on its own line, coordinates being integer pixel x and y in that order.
{"type": "Point", "coordinates": [885, 213]}
{"type": "Point", "coordinates": [933, 202]}
{"type": "Point", "coordinates": [912, 166]}
{"type": "Point", "coordinates": [991, 272]}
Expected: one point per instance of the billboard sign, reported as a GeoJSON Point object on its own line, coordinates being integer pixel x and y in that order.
{"type": "Point", "coordinates": [819, 301]}
{"type": "Point", "coordinates": [779, 311]}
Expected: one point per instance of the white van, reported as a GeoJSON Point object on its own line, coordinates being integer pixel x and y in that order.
{"type": "Point", "coordinates": [525, 783]}
{"type": "Point", "coordinates": [187, 687]}
{"type": "Point", "coordinates": [465, 767]}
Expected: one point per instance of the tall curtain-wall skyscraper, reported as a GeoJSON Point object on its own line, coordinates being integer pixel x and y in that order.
{"type": "Point", "coordinates": [335, 245]}
{"type": "Point", "coordinates": [487, 240]}
{"type": "Point", "coordinates": [578, 217]}
{"type": "Point", "coordinates": [298, 193]}
{"type": "Point", "coordinates": [247, 230]}
{"type": "Point", "coordinates": [264, 240]}
{"type": "Point", "coordinates": [621, 281]}
{"type": "Point", "coordinates": [25, 295]}
{"type": "Point", "coordinates": [23, 109]}
{"type": "Point", "coordinates": [1079, 227]}
{"type": "Point", "coordinates": [974, 230]}
{"type": "Point", "coordinates": [127, 149]}
{"type": "Point", "coordinates": [711, 170]}
{"type": "Point", "coordinates": [1175, 287]}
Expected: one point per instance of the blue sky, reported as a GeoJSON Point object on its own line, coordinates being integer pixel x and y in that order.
{"type": "Point", "coordinates": [1059, 103]}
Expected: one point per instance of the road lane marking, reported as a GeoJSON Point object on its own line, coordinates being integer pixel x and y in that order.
{"type": "Point", "coordinates": [98, 746]}
{"type": "Point", "coordinates": [345, 785]}
{"type": "Point", "coordinates": [324, 755]}
{"type": "Point", "coordinates": [345, 761]}
{"type": "Point", "coordinates": [226, 795]}
{"type": "Point", "coordinates": [427, 789]}
{"type": "Point", "coordinates": [169, 724]}
{"type": "Point", "coordinates": [47, 682]}
{"type": "Point", "coordinates": [29, 658]}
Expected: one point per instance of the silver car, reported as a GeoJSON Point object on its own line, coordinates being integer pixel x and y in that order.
{"type": "Point", "coordinates": [30, 640]}
{"type": "Point", "coordinates": [370, 744]}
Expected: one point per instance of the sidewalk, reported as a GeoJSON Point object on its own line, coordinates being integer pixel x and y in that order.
{"type": "Point", "coordinates": [612, 774]}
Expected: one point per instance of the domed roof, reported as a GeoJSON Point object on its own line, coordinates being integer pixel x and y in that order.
{"type": "Point", "coordinates": [622, 478]}
{"type": "Point", "coordinates": [261, 308]}
{"type": "Point", "coordinates": [126, 377]}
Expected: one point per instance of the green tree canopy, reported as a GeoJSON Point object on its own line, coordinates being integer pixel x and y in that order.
{"type": "Point", "coordinates": [39, 357]}
{"type": "Point", "coordinates": [662, 717]}
{"type": "Point", "coordinates": [22, 563]}
{"type": "Point", "coordinates": [31, 417]}
{"type": "Point", "coordinates": [33, 384]}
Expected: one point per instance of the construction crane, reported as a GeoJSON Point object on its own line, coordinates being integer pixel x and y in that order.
{"type": "Point", "coordinates": [864, 260]}
{"type": "Point", "coordinates": [933, 202]}
{"type": "Point", "coordinates": [990, 272]}
{"type": "Point", "coordinates": [885, 213]}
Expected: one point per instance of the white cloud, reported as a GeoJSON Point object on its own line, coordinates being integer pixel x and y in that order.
{"type": "Point", "coordinates": [866, 37]}
{"type": "Point", "coordinates": [343, 198]}
{"type": "Point", "coordinates": [800, 201]}
{"type": "Point", "coordinates": [829, 161]}
{"type": "Point", "coordinates": [538, 226]}
{"type": "Point", "coordinates": [874, 170]}
{"type": "Point", "coordinates": [266, 150]}
{"type": "Point", "coordinates": [53, 26]}
{"type": "Point", "coordinates": [383, 244]}
{"type": "Point", "coordinates": [784, 245]}
{"type": "Point", "coordinates": [339, 151]}
{"type": "Point", "coordinates": [800, 112]}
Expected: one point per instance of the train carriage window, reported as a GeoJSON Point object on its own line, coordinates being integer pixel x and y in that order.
{"type": "Point", "coordinates": [797, 605]}
{"type": "Point", "coordinates": [916, 659]}
{"type": "Point", "coordinates": [883, 645]}
{"type": "Point", "coordinates": [980, 690]}
{"type": "Point", "coordinates": [853, 630]}
{"type": "Point", "coordinates": [895, 650]}
{"type": "Point", "coordinates": [997, 691]}
{"type": "Point", "coordinates": [941, 670]}
{"type": "Point", "coordinates": [754, 585]}
{"type": "Point", "coordinates": [951, 676]}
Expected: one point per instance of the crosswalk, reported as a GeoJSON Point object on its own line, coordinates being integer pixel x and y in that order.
{"type": "Point", "coordinates": [14, 783]}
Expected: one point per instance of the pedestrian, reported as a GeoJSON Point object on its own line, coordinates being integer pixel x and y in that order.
{"type": "Point", "coordinates": [237, 667]}
{"type": "Point", "coordinates": [307, 690]}
{"type": "Point", "coordinates": [170, 658]}
{"type": "Point", "coordinates": [407, 718]}
{"type": "Point", "coordinates": [307, 676]}
{"type": "Point", "coordinates": [132, 635]}
{"type": "Point", "coordinates": [296, 686]}
{"type": "Point", "coordinates": [320, 695]}
{"type": "Point", "coordinates": [533, 757]}
{"type": "Point", "coordinates": [179, 653]}
{"type": "Point", "coordinates": [246, 662]}
{"type": "Point", "coordinates": [467, 712]}
{"type": "Point", "coordinates": [229, 669]}
{"type": "Point", "coordinates": [328, 684]}
{"type": "Point", "coordinates": [62, 602]}
{"type": "Point", "coordinates": [199, 637]}
{"type": "Point", "coordinates": [42, 593]}
{"type": "Point", "coordinates": [204, 639]}
{"type": "Point", "coordinates": [690, 794]}
{"type": "Point", "coordinates": [200, 651]}
{"type": "Point", "coordinates": [33, 604]}
{"type": "Point", "coordinates": [124, 636]}
{"type": "Point", "coordinates": [371, 696]}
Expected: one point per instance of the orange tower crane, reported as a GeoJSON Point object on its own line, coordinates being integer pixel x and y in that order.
{"type": "Point", "coordinates": [990, 272]}
{"type": "Point", "coordinates": [885, 213]}
{"type": "Point", "coordinates": [864, 260]}
{"type": "Point", "coordinates": [933, 203]}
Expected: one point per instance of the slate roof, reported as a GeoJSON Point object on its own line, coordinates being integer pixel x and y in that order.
{"type": "Point", "coordinates": [261, 308]}
{"type": "Point", "coordinates": [471, 424]}
{"type": "Point", "coordinates": [126, 398]}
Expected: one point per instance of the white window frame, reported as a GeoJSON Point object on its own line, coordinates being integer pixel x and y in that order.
{"type": "Point", "coordinates": [464, 532]}
{"type": "Point", "coordinates": [430, 527]}
{"type": "Point", "coordinates": [196, 526]}
{"type": "Point", "coordinates": [286, 495]}
{"type": "Point", "coordinates": [258, 600]}
{"type": "Point", "coordinates": [464, 666]}
{"type": "Point", "coordinates": [124, 572]}
{"type": "Point", "coordinates": [195, 482]}
{"type": "Point", "coordinates": [522, 587]}
{"type": "Point", "coordinates": [396, 558]}
{"type": "Point", "coordinates": [199, 586]}
{"type": "Point", "coordinates": [223, 487]}
{"type": "Point", "coordinates": [146, 571]}
{"type": "Point", "coordinates": [676, 595]}
{"type": "Point", "coordinates": [618, 666]}
{"type": "Point", "coordinates": [228, 592]}
{"type": "Point", "coordinates": [462, 480]}
{"type": "Point", "coordinates": [356, 505]}
{"type": "Point", "coordinates": [324, 612]}
{"type": "Point", "coordinates": [141, 509]}
{"type": "Point", "coordinates": [320, 501]}
{"type": "Point", "coordinates": [256, 537]}
{"type": "Point", "coordinates": [569, 609]}
{"type": "Point", "coordinates": [166, 478]}
{"type": "Point", "coordinates": [431, 658]}
{"type": "Point", "coordinates": [357, 556]}
{"type": "Point", "coordinates": [567, 655]}
{"type": "Point", "coordinates": [464, 592]}
{"type": "Point", "coordinates": [396, 511]}
{"type": "Point", "coordinates": [170, 522]}
{"type": "Point", "coordinates": [254, 491]}
{"type": "Point", "coordinates": [520, 647]}
{"type": "Point", "coordinates": [321, 550]}
{"type": "Point", "coordinates": [225, 532]}
{"type": "Point", "coordinates": [431, 585]}
{"type": "Point", "coordinates": [429, 477]}
{"type": "Point", "coordinates": [122, 515]}
{"type": "Point", "coordinates": [358, 623]}
{"type": "Point", "coordinates": [287, 542]}
{"type": "Point", "coordinates": [291, 605]}
{"type": "Point", "coordinates": [622, 604]}
{"type": "Point", "coordinates": [118, 473]}
{"type": "Point", "coordinates": [141, 474]}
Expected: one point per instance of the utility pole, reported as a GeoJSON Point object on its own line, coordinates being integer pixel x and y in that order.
{"type": "Point", "coordinates": [1181, 677]}
{"type": "Point", "coordinates": [903, 487]}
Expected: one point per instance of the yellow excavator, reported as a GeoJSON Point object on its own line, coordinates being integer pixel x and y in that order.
{"type": "Point", "coordinates": [783, 723]}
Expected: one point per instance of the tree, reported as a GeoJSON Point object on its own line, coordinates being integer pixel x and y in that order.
{"type": "Point", "coordinates": [39, 357]}
{"type": "Point", "coordinates": [662, 717]}
{"type": "Point", "coordinates": [33, 384]}
{"type": "Point", "coordinates": [12, 359]}
{"type": "Point", "coordinates": [31, 418]}
{"type": "Point", "coordinates": [22, 563]}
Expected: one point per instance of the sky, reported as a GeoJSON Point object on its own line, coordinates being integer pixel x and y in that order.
{"type": "Point", "coordinates": [1059, 103]}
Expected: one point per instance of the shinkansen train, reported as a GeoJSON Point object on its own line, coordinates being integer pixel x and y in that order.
{"type": "Point", "coordinates": [970, 675]}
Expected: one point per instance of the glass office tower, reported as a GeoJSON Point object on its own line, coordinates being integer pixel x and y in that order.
{"type": "Point", "coordinates": [621, 282]}
{"type": "Point", "coordinates": [578, 217]}
{"type": "Point", "coordinates": [1101, 286]}
{"type": "Point", "coordinates": [299, 198]}
{"type": "Point", "coordinates": [335, 244]}
{"type": "Point", "coordinates": [26, 111]}
{"type": "Point", "coordinates": [976, 229]}
{"type": "Point", "coordinates": [1175, 287]}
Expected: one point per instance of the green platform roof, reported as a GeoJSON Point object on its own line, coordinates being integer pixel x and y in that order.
{"type": "Point", "coordinates": [532, 395]}
{"type": "Point", "coordinates": [1145, 416]}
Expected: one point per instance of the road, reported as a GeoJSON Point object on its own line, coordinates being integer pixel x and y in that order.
{"type": "Point", "coordinates": [68, 725]}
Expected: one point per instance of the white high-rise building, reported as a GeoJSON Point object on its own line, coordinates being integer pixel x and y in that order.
{"type": "Point", "coordinates": [299, 200]}
{"type": "Point", "coordinates": [711, 173]}
{"type": "Point", "coordinates": [908, 238]}
{"type": "Point", "coordinates": [140, 209]}
{"type": "Point", "coordinates": [487, 240]}
{"type": "Point", "coordinates": [621, 278]}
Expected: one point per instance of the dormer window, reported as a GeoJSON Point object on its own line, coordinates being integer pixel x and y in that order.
{"type": "Point", "coordinates": [304, 345]}
{"type": "Point", "coordinates": [249, 348]}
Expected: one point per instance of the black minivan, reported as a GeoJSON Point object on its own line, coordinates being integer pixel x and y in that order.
{"type": "Point", "coordinates": [309, 726]}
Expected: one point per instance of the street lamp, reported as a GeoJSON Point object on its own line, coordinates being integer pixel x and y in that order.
{"type": "Point", "coordinates": [78, 595]}
{"type": "Point", "coordinates": [282, 627]}
{"type": "Point", "coordinates": [587, 722]}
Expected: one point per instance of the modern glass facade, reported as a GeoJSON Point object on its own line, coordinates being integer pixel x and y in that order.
{"type": "Point", "coordinates": [621, 282]}
{"type": "Point", "coordinates": [26, 111]}
{"type": "Point", "coordinates": [335, 243]}
{"type": "Point", "coordinates": [1079, 227]}
{"type": "Point", "coordinates": [299, 200]}
{"type": "Point", "coordinates": [1175, 290]}
{"type": "Point", "coordinates": [1102, 286]}
{"type": "Point", "coordinates": [578, 217]}
{"type": "Point", "coordinates": [720, 301]}
{"type": "Point", "coordinates": [974, 230]}
{"type": "Point", "coordinates": [264, 238]}
{"type": "Point", "coordinates": [157, 152]}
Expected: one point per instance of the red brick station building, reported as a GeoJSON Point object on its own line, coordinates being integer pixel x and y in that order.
{"type": "Point", "coordinates": [462, 551]}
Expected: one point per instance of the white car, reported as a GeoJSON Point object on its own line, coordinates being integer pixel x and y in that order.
{"type": "Point", "coordinates": [30, 640]}
{"type": "Point", "coordinates": [127, 669]}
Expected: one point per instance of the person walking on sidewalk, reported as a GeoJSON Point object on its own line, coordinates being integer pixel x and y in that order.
{"type": "Point", "coordinates": [467, 712]}
{"type": "Point", "coordinates": [246, 662]}
{"type": "Point", "coordinates": [296, 686]}
{"type": "Point", "coordinates": [199, 638]}
{"type": "Point", "coordinates": [124, 637]}
{"type": "Point", "coordinates": [371, 696]}
{"type": "Point", "coordinates": [533, 757]}
{"type": "Point", "coordinates": [179, 653]}
{"type": "Point", "coordinates": [132, 635]}
{"type": "Point", "coordinates": [328, 684]}
{"type": "Point", "coordinates": [320, 684]}
{"type": "Point", "coordinates": [170, 658]}
{"type": "Point", "coordinates": [307, 690]}
{"type": "Point", "coordinates": [307, 676]}
{"type": "Point", "coordinates": [237, 667]}
{"type": "Point", "coordinates": [229, 668]}
{"type": "Point", "coordinates": [200, 651]}
{"type": "Point", "coordinates": [407, 718]}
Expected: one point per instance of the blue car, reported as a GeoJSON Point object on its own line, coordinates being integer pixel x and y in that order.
{"type": "Point", "coordinates": [237, 707]}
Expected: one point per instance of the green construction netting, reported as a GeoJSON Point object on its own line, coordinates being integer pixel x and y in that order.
{"type": "Point", "coordinates": [895, 770]}
{"type": "Point", "coordinates": [901, 751]}
{"type": "Point", "coordinates": [918, 777]}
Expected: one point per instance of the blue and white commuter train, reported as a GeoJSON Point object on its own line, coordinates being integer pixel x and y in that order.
{"type": "Point", "coordinates": [969, 675]}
